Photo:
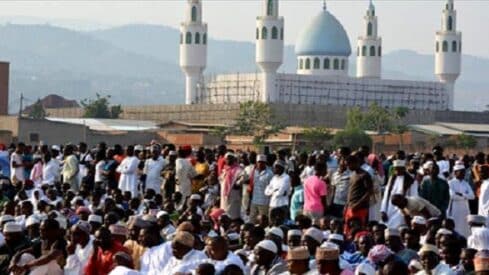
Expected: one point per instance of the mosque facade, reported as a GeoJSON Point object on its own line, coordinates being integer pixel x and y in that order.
{"type": "Point", "coordinates": [323, 51]}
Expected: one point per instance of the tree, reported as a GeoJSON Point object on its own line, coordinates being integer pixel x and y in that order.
{"type": "Point", "coordinates": [352, 138]}
{"type": "Point", "coordinates": [100, 108]}
{"type": "Point", "coordinates": [317, 137]}
{"type": "Point", "coordinates": [354, 119]}
{"type": "Point", "coordinates": [466, 141]}
{"type": "Point", "coordinates": [37, 111]}
{"type": "Point", "coordinates": [378, 119]}
{"type": "Point", "coordinates": [255, 119]}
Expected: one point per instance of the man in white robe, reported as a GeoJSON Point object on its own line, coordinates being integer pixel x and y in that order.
{"type": "Point", "coordinates": [460, 194]}
{"type": "Point", "coordinates": [152, 169]}
{"type": "Point", "coordinates": [185, 259]}
{"type": "Point", "coordinates": [128, 169]}
{"type": "Point", "coordinates": [184, 173]}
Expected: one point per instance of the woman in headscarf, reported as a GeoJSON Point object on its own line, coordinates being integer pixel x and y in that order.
{"type": "Point", "coordinates": [378, 180]}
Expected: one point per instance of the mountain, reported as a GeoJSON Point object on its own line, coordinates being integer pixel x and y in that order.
{"type": "Point", "coordinates": [138, 64]}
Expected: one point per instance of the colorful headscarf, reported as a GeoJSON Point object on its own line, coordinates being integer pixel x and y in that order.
{"type": "Point", "coordinates": [379, 168]}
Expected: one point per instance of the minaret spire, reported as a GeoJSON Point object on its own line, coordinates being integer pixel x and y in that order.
{"type": "Point", "coordinates": [324, 5]}
{"type": "Point", "coordinates": [369, 47]}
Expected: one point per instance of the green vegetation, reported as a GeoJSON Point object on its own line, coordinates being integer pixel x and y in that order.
{"type": "Point", "coordinates": [100, 108]}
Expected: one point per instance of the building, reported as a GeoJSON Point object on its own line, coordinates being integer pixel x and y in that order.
{"type": "Point", "coordinates": [323, 50]}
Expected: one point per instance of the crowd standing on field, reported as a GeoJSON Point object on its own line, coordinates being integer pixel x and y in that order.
{"type": "Point", "coordinates": [162, 209]}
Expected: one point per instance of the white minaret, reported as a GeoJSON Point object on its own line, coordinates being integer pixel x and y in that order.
{"type": "Point", "coordinates": [448, 50]}
{"type": "Point", "coordinates": [369, 47]}
{"type": "Point", "coordinates": [269, 48]}
{"type": "Point", "coordinates": [193, 50]}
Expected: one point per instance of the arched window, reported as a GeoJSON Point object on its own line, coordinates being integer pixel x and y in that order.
{"type": "Point", "coordinates": [317, 64]}
{"type": "Point", "coordinates": [326, 64]}
{"type": "Point", "coordinates": [437, 46]}
{"type": "Point", "coordinates": [274, 32]}
{"type": "Point", "coordinates": [369, 29]}
{"type": "Point", "coordinates": [264, 33]}
{"type": "Point", "coordinates": [188, 38]}
{"type": "Point", "coordinates": [358, 51]}
{"type": "Point", "coordinates": [445, 46]}
{"type": "Point", "coordinates": [343, 64]}
{"type": "Point", "coordinates": [454, 46]}
{"type": "Point", "coordinates": [257, 33]}
{"type": "Point", "coordinates": [194, 13]}
{"type": "Point", "coordinates": [270, 7]}
{"type": "Point", "coordinates": [301, 64]}
{"type": "Point", "coordinates": [204, 38]}
{"type": "Point", "coordinates": [308, 64]}
{"type": "Point", "coordinates": [380, 51]}
{"type": "Point", "coordinates": [450, 23]}
{"type": "Point", "coordinates": [364, 50]}
{"type": "Point", "coordinates": [181, 38]}
{"type": "Point", "coordinates": [372, 51]}
{"type": "Point", "coordinates": [336, 64]}
{"type": "Point", "coordinates": [197, 38]}
{"type": "Point", "coordinates": [460, 46]}
{"type": "Point", "coordinates": [281, 33]}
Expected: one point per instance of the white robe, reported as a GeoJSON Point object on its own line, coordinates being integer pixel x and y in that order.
{"type": "Point", "coordinates": [186, 265]}
{"type": "Point", "coordinates": [129, 177]}
{"type": "Point", "coordinates": [152, 170]}
{"type": "Point", "coordinates": [458, 208]}
{"type": "Point", "coordinates": [484, 199]}
{"type": "Point", "coordinates": [394, 214]}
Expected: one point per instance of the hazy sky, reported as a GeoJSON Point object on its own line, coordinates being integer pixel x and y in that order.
{"type": "Point", "coordinates": [403, 24]}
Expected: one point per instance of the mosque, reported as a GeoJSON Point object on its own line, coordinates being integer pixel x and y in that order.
{"type": "Point", "coordinates": [323, 50]}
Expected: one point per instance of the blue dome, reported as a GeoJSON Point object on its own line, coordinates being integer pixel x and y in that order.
{"type": "Point", "coordinates": [323, 36]}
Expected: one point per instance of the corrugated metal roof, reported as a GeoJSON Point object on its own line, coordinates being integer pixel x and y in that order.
{"type": "Point", "coordinates": [434, 129]}
{"type": "Point", "coordinates": [467, 127]}
{"type": "Point", "coordinates": [109, 124]}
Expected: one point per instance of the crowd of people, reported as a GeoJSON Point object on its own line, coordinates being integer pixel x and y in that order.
{"type": "Point", "coordinates": [159, 209]}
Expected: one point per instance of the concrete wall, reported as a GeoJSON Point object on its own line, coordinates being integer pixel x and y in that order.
{"type": "Point", "coordinates": [287, 114]}
{"type": "Point", "coordinates": [9, 123]}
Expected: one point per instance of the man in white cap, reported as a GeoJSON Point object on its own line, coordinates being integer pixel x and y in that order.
{"type": "Point", "coordinates": [259, 182]}
{"type": "Point", "coordinates": [460, 194]}
{"type": "Point", "coordinates": [185, 258]}
{"type": "Point", "coordinates": [430, 259]}
{"type": "Point", "coordinates": [267, 260]}
{"type": "Point", "coordinates": [15, 241]}
{"type": "Point", "coordinates": [79, 249]}
{"type": "Point", "coordinates": [279, 188]}
{"type": "Point", "coordinates": [399, 183]}
{"type": "Point", "coordinates": [128, 169]}
{"type": "Point", "coordinates": [152, 169]}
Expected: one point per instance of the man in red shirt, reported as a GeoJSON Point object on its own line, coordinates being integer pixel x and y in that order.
{"type": "Point", "coordinates": [104, 249]}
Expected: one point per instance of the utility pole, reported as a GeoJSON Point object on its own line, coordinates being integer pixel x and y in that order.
{"type": "Point", "coordinates": [20, 104]}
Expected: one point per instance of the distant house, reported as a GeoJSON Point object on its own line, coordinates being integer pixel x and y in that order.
{"type": "Point", "coordinates": [54, 102]}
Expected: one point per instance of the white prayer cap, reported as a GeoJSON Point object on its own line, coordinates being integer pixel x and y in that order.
{"type": "Point", "coordinates": [280, 163]}
{"type": "Point", "coordinates": [415, 264]}
{"type": "Point", "coordinates": [149, 218]}
{"type": "Point", "coordinates": [212, 234]}
{"type": "Point", "coordinates": [161, 214]}
{"type": "Point", "coordinates": [388, 232]}
{"type": "Point", "coordinates": [138, 147]}
{"type": "Point", "coordinates": [7, 218]}
{"type": "Point", "coordinates": [12, 227]}
{"type": "Point", "coordinates": [365, 269]}
{"type": "Point", "coordinates": [229, 155]}
{"type": "Point", "coordinates": [477, 219]}
{"type": "Point", "coordinates": [268, 245]}
{"type": "Point", "coordinates": [277, 232]}
{"type": "Point", "coordinates": [84, 226]}
{"type": "Point", "coordinates": [31, 220]}
{"type": "Point", "coordinates": [443, 231]}
{"type": "Point", "coordinates": [172, 153]}
{"type": "Point", "coordinates": [419, 220]}
{"type": "Point", "coordinates": [399, 163]}
{"type": "Point", "coordinates": [56, 148]}
{"type": "Point", "coordinates": [459, 167]}
{"type": "Point", "coordinates": [480, 236]}
{"type": "Point", "coordinates": [95, 218]}
{"type": "Point", "coordinates": [336, 237]}
{"type": "Point", "coordinates": [233, 236]}
{"type": "Point", "coordinates": [261, 158]}
{"type": "Point", "coordinates": [77, 198]}
{"type": "Point", "coordinates": [420, 171]}
{"type": "Point", "coordinates": [314, 233]}
{"type": "Point", "coordinates": [62, 222]}
{"type": "Point", "coordinates": [195, 197]}
{"type": "Point", "coordinates": [294, 232]}
{"type": "Point", "coordinates": [428, 165]}
{"type": "Point", "coordinates": [428, 248]}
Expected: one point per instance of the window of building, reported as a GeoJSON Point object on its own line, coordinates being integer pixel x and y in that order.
{"type": "Point", "coordinates": [204, 38]}
{"type": "Point", "coordinates": [33, 137]}
{"type": "Point", "coordinates": [380, 51]}
{"type": "Point", "coordinates": [281, 33]}
{"type": "Point", "coordinates": [197, 38]}
{"type": "Point", "coordinates": [326, 64]}
{"type": "Point", "coordinates": [336, 64]}
{"type": "Point", "coordinates": [257, 33]}
{"type": "Point", "coordinates": [445, 46]}
{"type": "Point", "coordinates": [317, 64]}
{"type": "Point", "coordinates": [274, 33]}
{"type": "Point", "coordinates": [454, 46]}
{"type": "Point", "coordinates": [308, 64]}
{"type": "Point", "coordinates": [437, 49]}
{"type": "Point", "coordinates": [343, 64]}
{"type": "Point", "coordinates": [270, 7]}
{"type": "Point", "coordinates": [358, 51]}
{"type": "Point", "coordinates": [188, 38]}
{"type": "Point", "coordinates": [369, 29]}
{"type": "Point", "coordinates": [194, 13]}
{"type": "Point", "coordinates": [372, 50]}
{"type": "Point", "coordinates": [301, 64]}
{"type": "Point", "coordinates": [450, 23]}
{"type": "Point", "coordinates": [264, 33]}
{"type": "Point", "coordinates": [364, 50]}
{"type": "Point", "coordinates": [181, 38]}
{"type": "Point", "coordinates": [460, 46]}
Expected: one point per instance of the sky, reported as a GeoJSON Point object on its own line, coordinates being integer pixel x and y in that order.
{"type": "Point", "coordinates": [402, 24]}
